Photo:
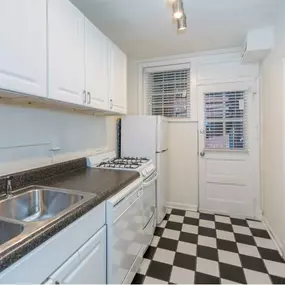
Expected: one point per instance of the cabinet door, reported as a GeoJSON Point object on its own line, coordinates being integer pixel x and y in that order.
{"type": "Point", "coordinates": [66, 274]}
{"type": "Point", "coordinates": [97, 66]}
{"type": "Point", "coordinates": [87, 266]}
{"type": "Point", "coordinates": [23, 46]}
{"type": "Point", "coordinates": [66, 52]}
{"type": "Point", "coordinates": [93, 266]}
{"type": "Point", "coordinates": [118, 77]}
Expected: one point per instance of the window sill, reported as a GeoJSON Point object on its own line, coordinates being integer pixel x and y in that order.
{"type": "Point", "coordinates": [226, 150]}
{"type": "Point", "coordinates": [183, 120]}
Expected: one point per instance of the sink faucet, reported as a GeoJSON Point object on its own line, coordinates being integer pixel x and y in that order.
{"type": "Point", "coordinates": [9, 186]}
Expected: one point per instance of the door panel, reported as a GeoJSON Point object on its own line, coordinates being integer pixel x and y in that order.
{"type": "Point", "coordinates": [97, 66]}
{"type": "Point", "coordinates": [86, 266]}
{"type": "Point", "coordinates": [118, 77]}
{"type": "Point", "coordinates": [23, 46]}
{"type": "Point", "coordinates": [162, 184]}
{"type": "Point", "coordinates": [229, 156]}
{"type": "Point", "coordinates": [66, 52]}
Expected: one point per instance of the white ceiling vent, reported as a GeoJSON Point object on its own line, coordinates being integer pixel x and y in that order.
{"type": "Point", "coordinates": [258, 44]}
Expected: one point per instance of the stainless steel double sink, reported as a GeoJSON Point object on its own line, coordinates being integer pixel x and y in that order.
{"type": "Point", "coordinates": [32, 209]}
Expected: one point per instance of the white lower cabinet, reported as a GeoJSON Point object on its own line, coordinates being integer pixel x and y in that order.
{"type": "Point", "coordinates": [86, 266]}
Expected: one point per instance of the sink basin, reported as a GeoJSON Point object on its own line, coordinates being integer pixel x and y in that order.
{"type": "Point", "coordinates": [37, 205]}
{"type": "Point", "coordinates": [9, 230]}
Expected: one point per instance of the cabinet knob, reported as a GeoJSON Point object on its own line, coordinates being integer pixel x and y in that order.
{"type": "Point", "coordinates": [111, 104]}
{"type": "Point", "coordinates": [89, 97]}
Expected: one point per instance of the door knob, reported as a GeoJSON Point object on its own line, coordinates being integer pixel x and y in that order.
{"type": "Point", "coordinates": [202, 153]}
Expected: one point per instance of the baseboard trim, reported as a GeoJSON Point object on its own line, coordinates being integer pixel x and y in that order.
{"type": "Point", "coordinates": [274, 237]}
{"type": "Point", "coordinates": [182, 206]}
{"type": "Point", "coordinates": [212, 212]}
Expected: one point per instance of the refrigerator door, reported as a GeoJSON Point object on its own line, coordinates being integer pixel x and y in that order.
{"type": "Point", "coordinates": [162, 184]}
{"type": "Point", "coordinates": [162, 134]}
{"type": "Point", "coordinates": [139, 136]}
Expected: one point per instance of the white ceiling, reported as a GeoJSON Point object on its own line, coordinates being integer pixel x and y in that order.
{"type": "Point", "coordinates": [144, 28]}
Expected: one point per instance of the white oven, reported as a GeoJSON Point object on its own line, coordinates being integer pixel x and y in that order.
{"type": "Point", "coordinates": [125, 235]}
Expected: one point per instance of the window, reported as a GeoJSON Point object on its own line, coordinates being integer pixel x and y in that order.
{"type": "Point", "coordinates": [225, 120]}
{"type": "Point", "coordinates": [168, 92]}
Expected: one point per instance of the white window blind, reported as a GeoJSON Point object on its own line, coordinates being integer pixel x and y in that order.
{"type": "Point", "coordinates": [225, 120]}
{"type": "Point", "coordinates": [168, 93]}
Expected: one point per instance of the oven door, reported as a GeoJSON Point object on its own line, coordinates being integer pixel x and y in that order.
{"type": "Point", "coordinates": [149, 206]}
{"type": "Point", "coordinates": [125, 237]}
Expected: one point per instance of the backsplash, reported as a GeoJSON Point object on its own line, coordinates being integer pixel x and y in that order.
{"type": "Point", "coordinates": [30, 134]}
{"type": "Point", "coordinates": [29, 177]}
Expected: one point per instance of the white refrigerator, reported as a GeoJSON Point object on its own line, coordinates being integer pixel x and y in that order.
{"type": "Point", "coordinates": [147, 136]}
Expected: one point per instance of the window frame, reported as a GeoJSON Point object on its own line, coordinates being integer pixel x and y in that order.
{"type": "Point", "coordinates": [167, 66]}
{"type": "Point", "coordinates": [243, 120]}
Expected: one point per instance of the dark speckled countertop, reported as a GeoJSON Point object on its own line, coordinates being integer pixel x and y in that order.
{"type": "Point", "coordinates": [102, 182]}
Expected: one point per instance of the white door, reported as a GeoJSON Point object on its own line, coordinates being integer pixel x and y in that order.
{"type": "Point", "coordinates": [229, 149]}
{"type": "Point", "coordinates": [87, 266]}
{"type": "Point", "coordinates": [66, 52]}
{"type": "Point", "coordinates": [97, 66]}
{"type": "Point", "coordinates": [118, 80]}
{"type": "Point", "coordinates": [23, 52]}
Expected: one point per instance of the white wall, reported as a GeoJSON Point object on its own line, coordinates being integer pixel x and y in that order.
{"type": "Point", "coordinates": [28, 134]}
{"type": "Point", "coordinates": [183, 173]}
{"type": "Point", "coordinates": [273, 131]}
{"type": "Point", "coordinates": [183, 169]}
{"type": "Point", "coordinates": [206, 68]}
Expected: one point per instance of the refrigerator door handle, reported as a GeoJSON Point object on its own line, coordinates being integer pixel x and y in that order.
{"type": "Point", "coordinates": [162, 151]}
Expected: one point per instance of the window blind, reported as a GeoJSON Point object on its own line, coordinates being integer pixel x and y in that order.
{"type": "Point", "coordinates": [168, 93]}
{"type": "Point", "coordinates": [225, 120]}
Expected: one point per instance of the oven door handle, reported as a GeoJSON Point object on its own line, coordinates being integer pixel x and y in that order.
{"type": "Point", "coordinates": [150, 180]}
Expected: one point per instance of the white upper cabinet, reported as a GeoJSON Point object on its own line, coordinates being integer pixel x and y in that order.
{"type": "Point", "coordinates": [118, 80]}
{"type": "Point", "coordinates": [97, 67]}
{"type": "Point", "coordinates": [23, 46]}
{"type": "Point", "coordinates": [66, 60]}
{"type": "Point", "coordinates": [49, 49]}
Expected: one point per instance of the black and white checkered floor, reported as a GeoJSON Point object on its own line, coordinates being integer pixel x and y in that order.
{"type": "Point", "coordinates": [190, 247]}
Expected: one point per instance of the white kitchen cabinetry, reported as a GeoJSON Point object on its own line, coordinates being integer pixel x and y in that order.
{"type": "Point", "coordinates": [79, 242]}
{"type": "Point", "coordinates": [66, 61]}
{"type": "Point", "coordinates": [97, 66]}
{"type": "Point", "coordinates": [118, 80]}
{"type": "Point", "coordinates": [23, 46]}
{"type": "Point", "coordinates": [86, 266]}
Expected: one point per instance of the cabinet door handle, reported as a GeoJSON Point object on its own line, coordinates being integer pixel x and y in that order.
{"type": "Point", "coordinates": [84, 97]}
{"type": "Point", "coordinates": [111, 104]}
{"type": "Point", "coordinates": [89, 97]}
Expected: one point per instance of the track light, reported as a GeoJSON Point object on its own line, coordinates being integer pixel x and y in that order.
{"type": "Point", "coordinates": [182, 23]}
{"type": "Point", "coordinates": [177, 8]}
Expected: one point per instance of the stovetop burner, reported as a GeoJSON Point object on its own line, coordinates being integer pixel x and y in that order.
{"type": "Point", "coordinates": [124, 162]}
{"type": "Point", "coordinates": [118, 165]}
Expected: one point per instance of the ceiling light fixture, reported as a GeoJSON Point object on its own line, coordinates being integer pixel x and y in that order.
{"type": "Point", "coordinates": [177, 8]}
{"type": "Point", "coordinates": [182, 23]}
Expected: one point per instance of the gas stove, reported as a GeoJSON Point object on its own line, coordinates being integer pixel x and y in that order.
{"type": "Point", "coordinates": [124, 162]}
{"type": "Point", "coordinates": [109, 161]}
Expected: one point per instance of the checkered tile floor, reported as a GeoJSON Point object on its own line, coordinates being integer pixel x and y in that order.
{"type": "Point", "coordinates": [190, 247]}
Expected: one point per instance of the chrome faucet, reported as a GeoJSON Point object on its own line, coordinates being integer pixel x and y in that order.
{"type": "Point", "coordinates": [9, 186]}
